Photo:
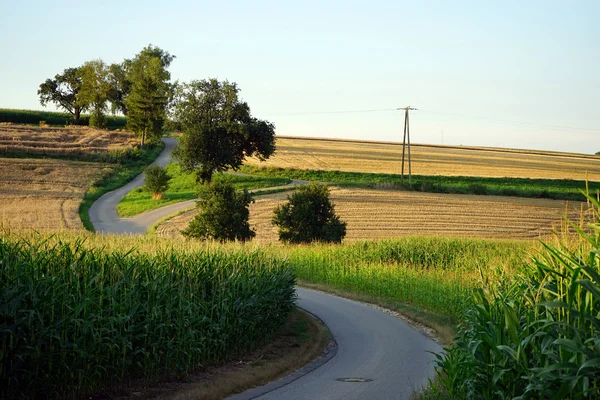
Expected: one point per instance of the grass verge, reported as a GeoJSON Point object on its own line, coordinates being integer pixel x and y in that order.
{"type": "Point", "coordinates": [302, 339]}
{"type": "Point", "coordinates": [119, 176]}
{"type": "Point", "coordinates": [183, 186]}
{"type": "Point", "coordinates": [563, 189]}
{"type": "Point", "coordinates": [438, 327]}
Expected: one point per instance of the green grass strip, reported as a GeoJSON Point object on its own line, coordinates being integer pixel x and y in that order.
{"type": "Point", "coordinates": [119, 176]}
{"type": "Point", "coordinates": [563, 189]}
{"type": "Point", "coordinates": [183, 186]}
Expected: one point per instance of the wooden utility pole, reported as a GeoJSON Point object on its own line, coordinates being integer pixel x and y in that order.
{"type": "Point", "coordinates": [405, 144]}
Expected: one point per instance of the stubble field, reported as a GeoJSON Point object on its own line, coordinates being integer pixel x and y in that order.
{"type": "Point", "coordinates": [44, 194]}
{"type": "Point", "coordinates": [386, 214]}
{"type": "Point", "coordinates": [68, 141]}
{"type": "Point", "coordinates": [430, 160]}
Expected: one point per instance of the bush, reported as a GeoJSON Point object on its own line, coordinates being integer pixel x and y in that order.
{"type": "Point", "coordinates": [309, 217]}
{"type": "Point", "coordinates": [223, 214]}
{"type": "Point", "coordinates": [156, 181]}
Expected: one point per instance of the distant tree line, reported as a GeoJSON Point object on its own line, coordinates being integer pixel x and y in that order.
{"type": "Point", "coordinates": [139, 88]}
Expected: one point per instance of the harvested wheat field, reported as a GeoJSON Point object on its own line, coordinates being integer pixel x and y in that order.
{"type": "Point", "coordinates": [385, 214]}
{"type": "Point", "coordinates": [72, 140]}
{"type": "Point", "coordinates": [44, 194]}
{"type": "Point", "coordinates": [429, 160]}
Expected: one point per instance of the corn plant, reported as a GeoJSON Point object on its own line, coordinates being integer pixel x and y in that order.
{"type": "Point", "coordinates": [74, 318]}
{"type": "Point", "coordinates": [537, 337]}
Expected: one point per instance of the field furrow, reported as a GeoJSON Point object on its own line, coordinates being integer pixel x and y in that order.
{"type": "Point", "coordinates": [430, 160]}
{"type": "Point", "coordinates": [385, 214]}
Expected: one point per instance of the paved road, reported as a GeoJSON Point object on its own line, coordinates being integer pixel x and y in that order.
{"type": "Point", "coordinates": [371, 344]}
{"type": "Point", "coordinates": [103, 213]}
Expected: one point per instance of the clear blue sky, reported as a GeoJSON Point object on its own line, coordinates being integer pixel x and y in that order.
{"type": "Point", "coordinates": [533, 62]}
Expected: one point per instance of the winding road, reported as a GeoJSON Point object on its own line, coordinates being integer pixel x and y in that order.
{"type": "Point", "coordinates": [376, 356]}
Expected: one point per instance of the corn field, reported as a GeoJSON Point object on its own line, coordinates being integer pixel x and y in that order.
{"type": "Point", "coordinates": [433, 273]}
{"type": "Point", "coordinates": [537, 337]}
{"type": "Point", "coordinates": [74, 318]}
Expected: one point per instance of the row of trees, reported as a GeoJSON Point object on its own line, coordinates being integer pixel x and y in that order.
{"type": "Point", "coordinates": [139, 88]}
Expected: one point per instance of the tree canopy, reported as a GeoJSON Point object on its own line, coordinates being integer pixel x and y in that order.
{"type": "Point", "coordinates": [218, 130]}
{"type": "Point", "coordinates": [63, 91]}
{"type": "Point", "coordinates": [94, 91]}
{"type": "Point", "coordinates": [147, 80]}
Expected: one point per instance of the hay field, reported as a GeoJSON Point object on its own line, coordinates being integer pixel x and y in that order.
{"type": "Point", "coordinates": [386, 214]}
{"type": "Point", "coordinates": [429, 160]}
{"type": "Point", "coordinates": [71, 140]}
{"type": "Point", "coordinates": [44, 194]}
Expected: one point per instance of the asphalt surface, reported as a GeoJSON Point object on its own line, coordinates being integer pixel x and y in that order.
{"type": "Point", "coordinates": [370, 344]}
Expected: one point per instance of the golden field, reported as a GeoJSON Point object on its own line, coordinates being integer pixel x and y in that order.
{"type": "Point", "coordinates": [71, 140]}
{"type": "Point", "coordinates": [376, 157]}
{"type": "Point", "coordinates": [44, 194]}
{"type": "Point", "coordinates": [386, 214]}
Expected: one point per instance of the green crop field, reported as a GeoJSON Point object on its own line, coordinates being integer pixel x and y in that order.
{"type": "Point", "coordinates": [76, 317]}
{"type": "Point", "coordinates": [35, 117]}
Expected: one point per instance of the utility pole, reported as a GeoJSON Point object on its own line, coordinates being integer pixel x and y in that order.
{"type": "Point", "coordinates": [405, 144]}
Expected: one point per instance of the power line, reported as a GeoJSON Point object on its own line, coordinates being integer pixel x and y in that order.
{"type": "Point", "coordinates": [558, 127]}
{"type": "Point", "coordinates": [332, 112]}
{"type": "Point", "coordinates": [497, 120]}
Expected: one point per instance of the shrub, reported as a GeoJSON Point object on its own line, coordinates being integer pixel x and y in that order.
{"type": "Point", "coordinates": [309, 216]}
{"type": "Point", "coordinates": [223, 214]}
{"type": "Point", "coordinates": [156, 181]}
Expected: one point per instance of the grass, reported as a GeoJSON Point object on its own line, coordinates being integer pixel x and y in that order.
{"type": "Point", "coordinates": [183, 186]}
{"type": "Point", "coordinates": [565, 189]}
{"type": "Point", "coordinates": [127, 170]}
{"type": "Point", "coordinates": [78, 317]}
{"type": "Point", "coordinates": [433, 274]}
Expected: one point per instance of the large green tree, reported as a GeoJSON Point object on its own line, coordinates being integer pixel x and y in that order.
{"type": "Point", "coordinates": [63, 91]}
{"type": "Point", "coordinates": [218, 130]}
{"type": "Point", "coordinates": [150, 91]}
{"type": "Point", "coordinates": [120, 86]}
{"type": "Point", "coordinates": [94, 91]}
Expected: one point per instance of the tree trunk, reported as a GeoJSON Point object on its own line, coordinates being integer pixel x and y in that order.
{"type": "Point", "coordinates": [77, 112]}
{"type": "Point", "coordinates": [143, 139]}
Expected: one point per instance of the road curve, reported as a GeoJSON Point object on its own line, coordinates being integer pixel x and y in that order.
{"type": "Point", "coordinates": [371, 344]}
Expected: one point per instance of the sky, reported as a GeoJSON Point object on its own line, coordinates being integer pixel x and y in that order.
{"type": "Point", "coordinates": [518, 74]}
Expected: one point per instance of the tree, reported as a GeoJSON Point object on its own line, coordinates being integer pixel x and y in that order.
{"type": "Point", "coordinates": [223, 214]}
{"type": "Point", "coordinates": [63, 90]}
{"type": "Point", "coordinates": [149, 92]}
{"type": "Point", "coordinates": [218, 129]}
{"type": "Point", "coordinates": [156, 181]}
{"type": "Point", "coordinates": [309, 216]}
{"type": "Point", "coordinates": [120, 86]}
{"type": "Point", "coordinates": [94, 91]}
